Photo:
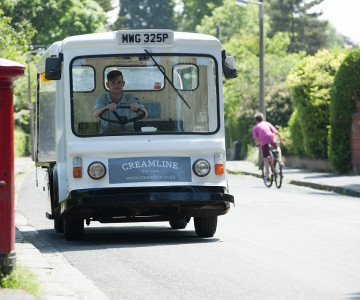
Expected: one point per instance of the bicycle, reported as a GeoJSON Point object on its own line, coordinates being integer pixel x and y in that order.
{"type": "Point", "coordinates": [276, 169]}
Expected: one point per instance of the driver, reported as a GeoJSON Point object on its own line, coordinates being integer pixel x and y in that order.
{"type": "Point", "coordinates": [116, 97]}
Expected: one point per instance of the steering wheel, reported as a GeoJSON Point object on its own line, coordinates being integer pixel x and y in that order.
{"type": "Point", "coordinates": [122, 119]}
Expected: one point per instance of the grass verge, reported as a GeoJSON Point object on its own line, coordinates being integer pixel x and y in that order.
{"type": "Point", "coordinates": [21, 279]}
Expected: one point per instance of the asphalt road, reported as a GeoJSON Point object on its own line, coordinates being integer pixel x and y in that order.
{"type": "Point", "coordinates": [288, 243]}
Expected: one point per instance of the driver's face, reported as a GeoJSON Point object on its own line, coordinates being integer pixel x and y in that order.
{"type": "Point", "coordinates": [116, 85]}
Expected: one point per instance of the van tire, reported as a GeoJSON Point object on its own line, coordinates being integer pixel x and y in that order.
{"type": "Point", "coordinates": [179, 223]}
{"type": "Point", "coordinates": [73, 229]}
{"type": "Point", "coordinates": [205, 226]}
{"type": "Point", "coordinates": [59, 225]}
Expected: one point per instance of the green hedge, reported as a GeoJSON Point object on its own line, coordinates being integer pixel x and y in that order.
{"type": "Point", "coordinates": [295, 145]}
{"type": "Point", "coordinates": [344, 94]}
{"type": "Point", "coordinates": [311, 82]}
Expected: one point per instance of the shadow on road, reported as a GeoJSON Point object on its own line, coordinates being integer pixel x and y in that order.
{"type": "Point", "coordinates": [114, 237]}
{"type": "Point", "coordinates": [355, 296]}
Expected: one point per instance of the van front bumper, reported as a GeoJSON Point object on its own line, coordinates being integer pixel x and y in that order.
{"type": "Point", "coordinates": [164, 202]}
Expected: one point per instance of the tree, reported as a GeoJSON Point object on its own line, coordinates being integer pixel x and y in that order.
{"type": "Point", "coordinates": [56, 19]}
{"type": "Point", "coordinates": [15, 39]}
{"type": "Point", "coordinates": [230, 19]}
{"type": "Point", "coordinates": [296, 17]}
{"type": "Point", "coordinates": [146, 14]}
{"type": "Point", "coordinates": [14, 42]}
{"type": "Point", "coordinates": [239, 33]}
{"type": "Point", "coordinates": [193, 11]}
{"type": "Point", "coordinates": [241, 95]}
{"type": "Point", "coordinates": [106, 5]}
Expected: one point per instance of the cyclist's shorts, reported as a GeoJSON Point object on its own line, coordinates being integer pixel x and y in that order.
{"type": "Point", "coordinates": [266, 149]}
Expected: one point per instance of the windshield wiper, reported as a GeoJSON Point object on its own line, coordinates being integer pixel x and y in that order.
{"type": "Point", "coordinates": [167, 78]}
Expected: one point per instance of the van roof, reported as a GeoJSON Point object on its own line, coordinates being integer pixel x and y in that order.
{"type": "Point", "coordinates": [107, 40]}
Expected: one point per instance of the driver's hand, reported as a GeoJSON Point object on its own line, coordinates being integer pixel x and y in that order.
{"type": "Point", "coordinates": [112, 106]}
{"type": "Point", "coordinates": [134, 106]}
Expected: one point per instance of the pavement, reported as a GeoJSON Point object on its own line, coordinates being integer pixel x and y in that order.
{"type": "Point", "coordinates": [338, 183]}
{"type": "Point", "coordinates": [58, 279]}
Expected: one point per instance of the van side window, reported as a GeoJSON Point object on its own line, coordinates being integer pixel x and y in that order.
{"type": "Point", "coordinates": [83, 78]}
{"type": "Point", "coordinates": [186, 77]}
{"type": "Point", "coordinates": [46, 127]}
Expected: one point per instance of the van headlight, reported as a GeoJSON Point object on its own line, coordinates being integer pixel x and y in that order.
{"type": "Point", "coordinates": [201, 167]}
{"type": "Point", "coordinates": [96, 170]}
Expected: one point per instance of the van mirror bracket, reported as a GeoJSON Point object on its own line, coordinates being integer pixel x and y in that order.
{"type": "Point", "coordinates": [229, 67]}
{"type": "Point", "coordinates": [53, 67]}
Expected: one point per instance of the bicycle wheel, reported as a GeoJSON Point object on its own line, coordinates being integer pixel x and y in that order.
{"type": "Point", "coordinates": [268, 182]}
{"type": "Point", "coordinates": [278, 174]}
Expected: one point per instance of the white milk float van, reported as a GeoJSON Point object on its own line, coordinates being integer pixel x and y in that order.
{"type": "Point", "coordinates": [159, 156]}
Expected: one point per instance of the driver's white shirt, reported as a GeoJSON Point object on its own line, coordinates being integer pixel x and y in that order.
{"type": "Point", "coordinates": [126, 100]}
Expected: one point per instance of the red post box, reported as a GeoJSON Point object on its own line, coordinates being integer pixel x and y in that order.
{"type": "Point", "coordinates": [9, 71]}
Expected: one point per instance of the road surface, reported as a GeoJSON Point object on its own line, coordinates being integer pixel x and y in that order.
{"type": "Point", "coordinates": [288, 243]}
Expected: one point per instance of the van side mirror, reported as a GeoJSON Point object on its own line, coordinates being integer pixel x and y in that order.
{"type": "Point", "coordinates": [229, 66]}
{"type": "Point", "coordinates": [53, 67]}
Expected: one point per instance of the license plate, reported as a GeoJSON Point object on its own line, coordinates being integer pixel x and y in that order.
{"type": "Point", "coordinates": [144, 38]}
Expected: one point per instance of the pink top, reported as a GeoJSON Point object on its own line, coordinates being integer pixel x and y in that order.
{"type": "Point", "coordinates": [264, 133]}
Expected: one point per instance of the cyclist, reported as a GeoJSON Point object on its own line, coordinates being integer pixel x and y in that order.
{"type": "Point", "coordinates": [264, 134]}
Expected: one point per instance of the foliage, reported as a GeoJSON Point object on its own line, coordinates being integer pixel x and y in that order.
{"type": "Point", "coordinates": [278, 62]}
{"type": "Point", "coordinates": [22, 119]}
{"type": "Point", "coordinates": [290, 26]}
{"type": "Point", "coordinates": [297, 18]}
{"type": "Point", "coordinates": [294, 144]}
{"type": "Point", "coordinates": [106, 5]}
{"type": "Point", "coordinates": [278, 104]}
{"type": "Point", "coordinates": [53, 20]}
{"type": "Point", "coordinates": [335, 40]}
{"type": "Point", "coordinates": [193, 11]}
{"type": "Point", "coordinates": [345, 93]}
{"type": "Point", "coordinates": [311, 82]}
{"type": "Point", "coordinates": [253, 154]}
{"type": "Point", "coordinates": [15, 39]}
{"type": "Point", "coordinates": [241, 94]}
{"type": "Point", "coordinates": [286, 140]}
{"type": "Point", "coordinates": [56, 19]}
{"type": "Point", "coordinates": [22, 143]}
{"type": "Point", "coordinates": [230, 19]}
{"type": "Point", "coordinates": [239, 34]}
{"type": "Point", "coordinates": [146, 14]}
{"type": "Point", "coordinates": [21, 279]}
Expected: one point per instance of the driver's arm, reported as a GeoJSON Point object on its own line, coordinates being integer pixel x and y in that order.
{"type": "Point", "coordinates": [97, 111]}
{"type": "Point", "coordinates": [135, 108]}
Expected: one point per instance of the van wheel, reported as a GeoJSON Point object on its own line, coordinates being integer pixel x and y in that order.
{"type": "Point", "coordinates": [179, 223]}
{"type": "Point", "coordinates": [73, 229]}
{"type": "Point", "coordinates": [59, 225]}
{"type": "Point", "coordinates": [205, 226]}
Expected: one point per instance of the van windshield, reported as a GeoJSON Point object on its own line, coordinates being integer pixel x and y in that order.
{"type": "Point", "coordinates": [179, 94]}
